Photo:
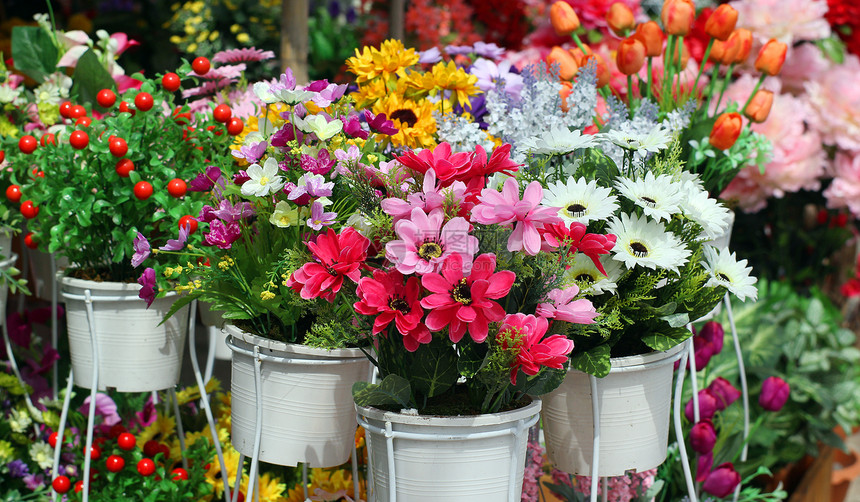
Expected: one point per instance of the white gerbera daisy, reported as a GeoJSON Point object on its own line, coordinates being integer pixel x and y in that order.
{"type": "Point", "coordinates": [580, 200]}
{"type": "Point", "coordinates": [726, 271]}
{"type": "Point", "coordinates": [558, 141]}
{"type": "Point", "coordinates": [655, 140]}
{"type": "Point", "coordinates": [590, 280]}
{"type": "Point", "coordinates": [713, 217]}
{"type": "Point", "coordinates": [658, 197]}
{"type": "Point", "coordinates": [641, 241]}
{"type": "Point", "coordinates": [264, 179]}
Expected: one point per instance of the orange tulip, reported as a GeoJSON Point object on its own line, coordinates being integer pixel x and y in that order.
{"type": "Point", "coordinates": [678, 16]}
{"type": "Point", "coordinates": [718, 52]}
{"type": "Point", "coordinates": [578, 55]}
{"type": "Point", "coordinates": [759, 107]}
{"type": "Point", "coordinates": [722, 22]}
{"type": "Point", "coordinates": [681, 56]}
{"type": "Point", "coordinates": [771, 57]}
{"type": "Point", "coordinates": [726, 131]}
{"type": "Point", "coordinates": [743, 37]}
{"type": "Point", "coordinates": [564, 20]}
{"type": "Point", "coordinates": [567, 65]}
{"type": "Point", "coordinates": [563, 93]}
{"type": "Point", "coordinates": [630, 56]}
{"type": "Point", "coordinates": [620, 18]}
{"type": "Point", "coordinates": [603, 74]}
{"type": "Point", "coordinates": [651, 35]}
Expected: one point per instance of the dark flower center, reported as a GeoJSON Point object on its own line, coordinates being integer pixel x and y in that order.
{"type": "Point", "coordinates": [399, 304]}
{"type": "Point", "coordinates": [406, 116]}
{"type": "Point", "coordinates": [639, 249]}
{"type": "Point", "coordinates": [576, 210]}
{"type": "Point", "coordinates": [429, 250]}
{"type": "Point", "coordinates": [724, 277]}
{"type": "Point", "coordinates": [585, 278]}
{"type": "Point", "coordinates": [462, 293]}
{"type": "Point", "coordinates": [649, 201]}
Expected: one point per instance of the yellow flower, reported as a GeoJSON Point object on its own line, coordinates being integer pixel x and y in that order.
{"type": "Point", "coordinates": [231, 462]}
{"type": "Point", "coordinates": [392, 58]}
{"type": "Point", "coordinates": [269, 488]}
{"type": "Point", "coordinates": [266, 295]}
{"type": "Point", "coordinates": [175, 39]}
{"type": "Point", "coordinates": [161, 428]}
{"type": "Point", "coordinates": [243, 38]}
{"type": "Point", "coordinates": [285, 215]}
{"type": "Point", "coordinates": [191, 48]}
{"type": "Point", "coordinates": [192, 393]}
{"type": "Point", "coordinates": [414, 120]}
{"type": "Point", "coordinates": [214, 36]}
{"type": "Point", "coordinates": [235, 28]}
{"type": "Point", "coordinates": [451, 78]}
{"type": "Point", "coordinates": [368, 93]}
{"type": "Point", "coordinates": [196, 7]}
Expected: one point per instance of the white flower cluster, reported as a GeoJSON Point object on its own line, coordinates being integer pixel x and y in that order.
{"type": "Point", "coordinates": [463, 134]}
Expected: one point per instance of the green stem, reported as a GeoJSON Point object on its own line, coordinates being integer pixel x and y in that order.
{"type": "Point", "coordinates": [579, 43]}
{"type": "Point", "coordinates": [650, 78]}
{"type": "Point", "coordinates": [754, 91]}
{"type": "Point", "coordinates": [715, 75]}
{"type": "Point", "coordinates": [723, 85]}
{"type": "Point", "coordinates": [702, 66]}
{"type": "Point", "coordinates": [668, 61]}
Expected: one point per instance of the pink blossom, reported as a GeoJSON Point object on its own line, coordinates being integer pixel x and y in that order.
{"type": "Point", "coordinates": [506, 207]}
{"type": "Point", "coordinates": [803, 64]}
{"type": "Point", "coordinates": [835, 100]}
{"type": "Point", "coordinates": [459, 301]}
{"type": "Point", "coordinates": [785, 20]}
{"type": "Point", "coordinates": [563, 307]}
{"type": "Point", "coordinates": [249, 54]}
{"type": "Point", "coordinates": [386, 297]}
{"type": "Point", "coordinates": [844, 191]}
{"type": "Point", "coordinates": [429, 198]}
{"type": "Point", "coordinates": [423, 244]}
{"type": "Point", "coordinates": [577, 239]}
{"type": "Point", "coordinates": [338, 256]}
{"type": "Point", "coordinates": [527, 331]}
{"type": "Point", "coordinates": [446, 164]}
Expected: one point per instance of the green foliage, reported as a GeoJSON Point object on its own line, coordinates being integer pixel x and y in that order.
{"type": "Point", "coordinates": [391, 390]}
{"type": "Point", "coordinates": [34, 52]}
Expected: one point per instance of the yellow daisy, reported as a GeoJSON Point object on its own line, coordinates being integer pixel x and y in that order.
{"type": "Point", "coordinates": [192, 393]}
{"type": "Point", "coordinates": [451, 78]}
{"type": "Point", "coordinates": [271, 489]}
{"type": "Point", "coordinates": [161, 428]}
{"type": "Point", "coordinates": [414, 120]}
{"type": "Point", "coordinates": [392, 58]}
{"type": "Point", "coordinates": [368, 93]}
{"type": "Point", "coordinates": [231, 462]}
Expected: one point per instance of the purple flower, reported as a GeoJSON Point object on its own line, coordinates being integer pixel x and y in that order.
{"type": "Point", "coordinates": [20, 330]}
{"type": "Point", "coordinates": [491, 50]}
{"type": "Point", "coordinates": [18, 469]}
{"type": "Point", "coordinates": [724, 392]}
{"type": "Point", "coordinates": [177, 244]}
{"type": "Point", "coordinates": [286, 134]}
{"type": "Point", "coordinates": [352, 127]}
{"type": "Point", "coordinates": [707, 406]}
{"type": "Point", "coordinates": [105, 407]}
{"type": "Point", "coordinates": [456, 50]}
{"type": "Point", "coordinates": [319, 217]}
{"type": "Point", "coordinates": [205, 181]}
{"type": "Point", "coordinates": [321, 164]}
{"type": "Point", "coordinates": [285, 82]}
{"type": "Point", "coordinates": [251, 153]}
{"type": "Point", "coordinates": [228, 212]}
{"type": "Point", "coordinates": [329, 94]}
{"type": "Point", "coordinates": [703, 466]}
{"type": "Point", "coordinates": [430, 56]}
{"type": "Point", "coordinates": [147, 415]}
{"type": "Point", "coordinates": [703, 437]}
{"type": "Point", "coordinates": [774, 393]}
{"type": "Point", "coordinates": [147, 283]}
{"type": "Point", "coordinates": [316, 85]}
{"type": "Point", "coordinates": [347, 160]}
{"type": "Point", "coordinates": [221, 234]}
{"type": "Point", "coordinates": [241, 177]}
{"type": "Point", "coordinates": [490, 75]}
{"type": "Point", "coordinates": [380, 123]}
{"type": "Point", "coordinates": [141, 250]}
{"type": "Point", "coordinates": [722, 481]}
{"type": "Point", "coordinates": [34, 482]}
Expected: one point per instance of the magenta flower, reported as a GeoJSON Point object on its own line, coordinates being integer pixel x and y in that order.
{"type": "Point", "coordinates": [704, 464]}
{"type": "Point", "coordinates": [380, 123]}
{"type": "Point", "coordinates": [429, 198]}
{"type": "Point", "coordinates": [703, 437]}
{"type": "Point", "coordinates": [105, 408]}
{"type": "Point", "coordinates": [707, 406]}
{"type": "Point", "coordinates": [205, 181]}
{"type": "Point", "coordinates": [774, 393]}
{"type": "Point", "coordinates": [244, 55]}
{"type": "Point", "coordinates": [148, 288]}
{"type": "Point", "coordinates": [251, 153]}
{"type": "Point", "coordinates": [177, 244]}
{"type": "Point", "coordinates": [707, 343]}
{"type": "Point", "coordinates": [328, 94]}
{"type": "Point", "coordinates": [312, 185]}
{"type": "Point", "coordinates": [724, 393]}
{"type": "Point", "coordinates": [386, 297]}
{"type": "Point", "coordinates": [424, 244]}
{"type": "Point", "coordinates": [319, 217]}
{"type": "Point", "coordinates": [506, 207]}
{"type": "Point", "coordinates": [226, 212]}
{"type": "Point", "coordinates": [722, 481]}
{"type": "Point", "coordinates": [337, 256]}
{"type": "Point", "coordinates": [352, 127]}
{"type": "Point", "coordinates": [222, 234]}
{"type": "Point", "coordinates": [446, 164]}
{"type": "Point", "coordinates": [321, 164]}
{"type": "Point", "coordinates": [141, 250]}
{"type": "Point", "coordinates": [459, 301]}
{"type": "Point", "coordinates": [565, 308]}
{"type": "Point", "coordinates": [526, 332]}
{"type": "Point", "coordinates": [577, 239]}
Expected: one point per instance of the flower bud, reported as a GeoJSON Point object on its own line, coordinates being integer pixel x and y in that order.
{"type": "Point", "coordinates": [678, 16]}
{"type": "Point", "coordinates": [771, 57]}
{"type": "Point", "coordinates": [681, 56]}
{"type": "Point", "coordinates": [707, 406]}
{"type": "Point", "coordinates": [603, 74]}
{"type": "Point", "coordinates": [630, 56]}
{"type": "Point", "coordinates": [713, 332]}
{"type": "Point", "coordinates": [722, 481]}
{"type": "Point", "coordinates": [578, 55]}
{"type": "Point", "coordinates": [567, 65]}
{"type": "Point", "coordinates": [774, 393]}
{"type": "Point", "coordinates": [620, 18]}
{"type": "Point", "coordinates": [718, 52]}
{"type": "Point", "coordinates": [726, 130]}
{"type": "Point", "coordinates": [564, 20]}
{"type": "Point", "coordinates": [703, 466]}
{"type": "Point", "coordinates": [651, 35]}
{"type": "Point", "coordinates": [721, 22]}
{"type": "Point", "coordinates": [759, 107]}
{"type": "Point", "coordinates": [724, 393]}
{"type": "Point", "coordinates": [703, 437]}
{"type": "Point", "coordinates": [742, 37]}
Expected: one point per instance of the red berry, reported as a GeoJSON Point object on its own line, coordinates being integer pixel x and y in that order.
{"type": "Point", "coordinates": [118, 147]}
{"type": "Point", "coordinates": [151, 448]}
{"type": "Point", "coordinates": [79, 140]}
{"type": "Point", "coordinates": [106, 98]}
{"type": "Point", "coordinates": [2, 156]}
{"type": "Point", "coordinates": [116, 430]}
{"type": "Point", "coordinates": [179, 474]}
{"type": "Point", "coordinates": [13, 193]}
{"type": "Point", "coordinates": [79, 486]}
{"type": "Point", "coordinates": [115, 463]}
{"type": "Point", "coordinates": [124, 108]}
{"type": "Point", "coordinates": [95, 452]}
{"type": "Point", "coordinates": [201, 65]}
{"type": "Point", "coordinates": [146, 467]}
{"type": "Point", "coordinates": [84, 121]}
{"type": "Point", "coordinates": [126, 441]}
{"type": "Point", "coordinates": [235, 126]}
{"type": "Point", "coordinates": [143, 101]}
{"type": "Point", "coordinates": [61, 484]}
{"type": "Point", "coordinates": [222, 113]}
{"type": "Point", "coordinates": [29, 210]}
{"type": "Point", "coordinates": [123, 167]}
{"type": "Point", "coordinates": [142, 190]}
{"type": "Point", "coordinates": [52, 439]}
{"type": "Point", "coordinates": [77, 111]}
{"type": "Point", "coordinates": [32, 244]}
{"type": "Point", "coordinates": [45, 140]}
{"type": "Point", "coordinates": [241, 497]}
{"type": "Point", "coordinates": [170, 82]}
{"type": "Point", "coordinates": [177, 187]}
{"type": "Point", "coordinates": [188, 221]}
{"type": "Point", "coordinates": [66, 109]}
{"type": "Point", "coordinates": [27, 144]}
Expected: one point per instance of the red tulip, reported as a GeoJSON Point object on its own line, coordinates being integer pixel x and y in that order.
{"type": "Point", "coordinates": [620, 18]}
{"type": "Point", "coordinates": [707, 406]}
{"type": "Point", "coordinates": [774, 393]}
{"type": "Point", "coordinates": [630, 56]}
{"type": "Point", "coordinates": [703, 466]}
{"type": "Point", "coordinates": [651, 35]}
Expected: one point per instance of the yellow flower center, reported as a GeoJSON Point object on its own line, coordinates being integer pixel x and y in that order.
{"type": "Point", "coordinates": [264, 180]}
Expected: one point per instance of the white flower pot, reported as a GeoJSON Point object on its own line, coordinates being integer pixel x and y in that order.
{"type": "Point", "coordinates": [4, 288]}
{"type": "Point", "coordinates": [40, 267]}
{"type": "Point", "coordinates": [135, 354]}
{"type": "Point", "coordinates": [635, 400]}
{"type": "Point", "coordinates": [307, 408]}
{"type": "Point", "coordinates": [477, 458]}
{"type": "Point", "coordinates": [210, 317]}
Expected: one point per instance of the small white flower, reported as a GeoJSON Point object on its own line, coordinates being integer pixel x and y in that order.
{"type": "Point", "coordinates": [655, 140]}
{"type": "Point", "coordinates": [641, 241]}
{"type": "Point", "coordinates": [42, 453]}
{"type": "Point", "coordinates": [558, 141]}
{"type": "Point", "coordinates": [293, 96]}
{"type": "Point", "coordinates": [261, 90]}
{"type": "Point", "coordinates": [580, 200]}
{"type": "Point", "coordinates": [284, 215]}
{"type": "Point", "coordinates": [324, 129]}
{"type": "Point", "coordinates": [264, 180]}
{"type": "Point", "coordinates": [713, 217]}
{"type": "Point", "coordinates": [590, 280]}
{"type": "Point", "coordinates": [726, 271]}
{"type": "Point", "coordinates": [19, 421]}
{"type": "Point", "coordinates": [658, 197]}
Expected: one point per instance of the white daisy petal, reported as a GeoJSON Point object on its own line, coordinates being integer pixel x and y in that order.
{"type": "Point", "coordinates": [726, 271]}
{"type": "Point", "coordinates": [658, 197]}
{"type": "Point", "coordinates": [641, 241]}
{"type": "Point", "coordinates": [713, 217]}
{"type": "Point", "coordinates": [558, 141]}
{"type": "Point", "coordinates": [580, 200]}
{"type": "Point", "coordinates": [590, 280]}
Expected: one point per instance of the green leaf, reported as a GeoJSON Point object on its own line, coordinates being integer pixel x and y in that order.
{"type": "Point", "coordinates": [434, 368]}
{"type": "Point", "coordinates": [544, 382]}
{"type": "Point", "coordinates": [392, 390]}
{"type": "Point", "coordinates": [34, 52]}
{"type": "Point", "coordinates": [666, 339]}
{"type": "Point", "coordinates": [473, 357]}
{"type": "Point", "coordinates": [90, 77]}
{"type": "Point", "coordinates": [594, 361]}
{"type": "Point", "coordinates": [178, 304]}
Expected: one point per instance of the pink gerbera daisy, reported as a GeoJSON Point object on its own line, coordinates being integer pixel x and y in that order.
{"type": "Point", "coordinates": [250, 55]}
{"type": "Point", "coordinates": [563, 307]}
{"type": "Point", "coordinates": [527, 331]}
{"type": "Point", "coordinates": [386, 297]}
{"type": "Point", "coordinates": [459, 301]}
{"type": "Point", "coordinates": [337, 256]}
{"type": "Point", "coordinates": [424, 244]}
